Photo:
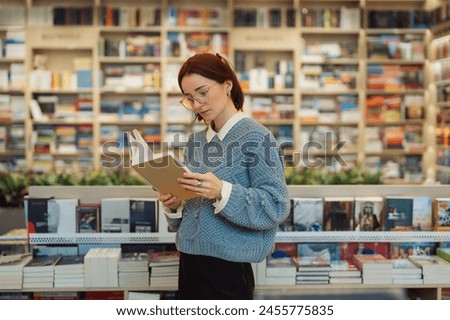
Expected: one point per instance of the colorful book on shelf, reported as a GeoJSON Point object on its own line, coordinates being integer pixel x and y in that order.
{"type": "Point", "coordinates": [284, 249]}
{"type": "Point", "coordinates": [398, 215]}
{"type": "Point", "coordinates": [367, 213]}
{"type": "Point", "coordinates": [344, 269]}
{"type": "Point", "coordinates": [338, 213]}
{"type": "Point", "coordinates": [133, 261]}
{"type": "Point", "coordinates": [316, 256]}
{"type": "Point", "coordinates": [441, 214]}
{"type": "Point", "coordinates": [115, 217]}
{"type": "Point", "coordinates": [161, 170]}
{"type": "Point", "coordinates": [143, 215]}
{"type": "Point", "coordinates": [36, 211]}
{"type": "Point", "coordinates": [163, 258]}
{"type": "Point", "coordinates": [88, 218]}
{"type": "Point", "coordinates": [307, 214]}
{"type": "Point", "coordinates": [349, 249]}
{"type": "Point", "coordinates": [372, 262]}
{"type": "Point", "coordinates": [422, 213]}
{"type": "Point", "coordinates": [62, 215]}
{"type": "Point", "coordinates": [280, 267]}
{"type": "Point", "coordinates": [402, 250]}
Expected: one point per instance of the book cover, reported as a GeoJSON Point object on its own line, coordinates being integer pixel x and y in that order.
{"type": "Point", "coordinates": [133, 261]}
{"type": "Point", "coordinates": [338, 213]}
{"type": "Point", "coordinates": [432, 265]}
{"type": "Point", "coordinates": [317, 254]}
{"type": "Point", "coordinates": [144, 215]}
{"type": "Point", "coordinates": [307, 214]}
{"type": "Point", "coordinates": [284, 249]}
{"type": "Point", "coordinates": [115, 215]}
{"type": "Point", "coordinates": [349, 249]}
{"type": "Point", "coordinates": [88, 218]}
{"type": "Point", "coordinates": [367, 215]}
{"type": "Point", "coordinates": [398, 215]}
{"type": "Point", "coordinates": [14, 262]}
{"type": "Point", "coordinates": [402, 250]}
{"type": "Point", "coordinates": [441, 214]}
{"type": "Point", "coordinates": [404, 269]}
{"type": "Point", "coordinates": [42, 263]}
{"type": "Point", "coordinates": [422, 213]}
{"type": "Point", "coordinates": [280, 267]}
{"type": "Point", "coordinates": [160, 258]}
{"type": "Point", "coordinates": [70, 263]}
{"type": "Point", "coordinates": [62, 215]}
{"type": "Point", "coordinates": [367, 262]}
{"type": "Point", "coordinates": [37, 214]}
{"type": "Point", "coordinates": [161, 170]}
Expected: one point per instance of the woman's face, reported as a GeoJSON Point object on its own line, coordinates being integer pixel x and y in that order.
{"type": "Point", "coordinates": [209, 98]}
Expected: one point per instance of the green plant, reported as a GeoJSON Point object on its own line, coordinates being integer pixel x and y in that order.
{"type": "Point", "coordinates": [13, 187]}
{"type": "Point", "coordinates": [322, 176]}
{"type": "Point", "coordinates": [128, 178]}
{"type": "Point", "coordinates": [96, 178]}
{"type": "Point", "coordinates": [52, 179]}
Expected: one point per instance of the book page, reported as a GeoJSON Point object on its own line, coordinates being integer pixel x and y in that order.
{"type": "Point", "coordinates": [161, 170]}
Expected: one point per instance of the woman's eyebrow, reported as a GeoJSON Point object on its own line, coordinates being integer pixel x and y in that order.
{"type": "Point", "coordinates": [198, 88]}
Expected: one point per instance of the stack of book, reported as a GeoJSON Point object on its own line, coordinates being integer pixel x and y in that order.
{"type": "Point", "coordinates": [139, 295]}
{"type": "Point", "coordinates": [345, 272]}
{"type": "Point", "coordinates": [280, 271]}
{"type": "Point", "coordinates": [375, 268]}
{"type": "Point", "coordinates": [11, 270]}
{"type": "Point", "coordinates": [69, 272]}
{"type": "Point", "coordinates": [312, 270]}
{"type": "Point", "coordinates": [101, 267]}
{"type": "Point", "coordinates": [434, 268]}
{"type": "Point", "coordinates": [133, 270]}
{"type": "Point", "coordinates": [39, 272]}
{"type": "Point", "coordinates": [406, 272]}
{"type": "Point", "coordinates": [164, 268]}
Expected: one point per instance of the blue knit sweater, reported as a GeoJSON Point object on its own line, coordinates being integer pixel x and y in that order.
{"type": "Point", "coordinates": [244, 231]}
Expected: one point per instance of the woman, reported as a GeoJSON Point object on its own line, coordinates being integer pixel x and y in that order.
{"type": "Point", "coordinates": [238, 174]}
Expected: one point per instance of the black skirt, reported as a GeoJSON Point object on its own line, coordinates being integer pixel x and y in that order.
{"type": "Point", "coordinates": [210, 278]}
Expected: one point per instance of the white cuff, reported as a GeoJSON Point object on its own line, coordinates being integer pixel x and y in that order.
{"type": "Point", "coordinates": [174, 215]}
{"type": "Point", "coordinates": [226, 193]}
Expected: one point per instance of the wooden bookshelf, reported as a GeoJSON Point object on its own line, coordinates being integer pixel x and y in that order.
{"type": "Point", "coordinates": [153, 38]}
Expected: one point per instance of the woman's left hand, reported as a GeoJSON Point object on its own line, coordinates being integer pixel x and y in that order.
{"type": "Point", "coordinates": [205, 185]}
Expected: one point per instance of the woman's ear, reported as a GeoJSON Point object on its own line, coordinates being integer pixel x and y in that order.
{"type": "Point", "coordinates": [229, 86]}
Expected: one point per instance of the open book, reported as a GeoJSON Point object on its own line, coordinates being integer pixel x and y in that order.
{"type": "Point", "coordinates": [160, 169]}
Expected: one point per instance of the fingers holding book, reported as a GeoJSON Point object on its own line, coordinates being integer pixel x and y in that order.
{"type": "Point", "coordinates": [205, 185]}
{"type": "Point", "coordinates": [169, 201]}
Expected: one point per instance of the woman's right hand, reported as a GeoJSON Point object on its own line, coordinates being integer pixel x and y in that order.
{"type": "Point", "coordinates": [169, 201]}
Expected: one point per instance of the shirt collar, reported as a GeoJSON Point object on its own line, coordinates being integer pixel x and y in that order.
{"type": "Point", "coordinates": [210, 133]}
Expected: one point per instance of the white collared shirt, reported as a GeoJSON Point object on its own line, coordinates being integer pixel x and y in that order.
{"type": "Point", "coordinates": [226, 186]}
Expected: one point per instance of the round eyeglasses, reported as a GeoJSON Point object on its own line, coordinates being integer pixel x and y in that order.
{"type": "Point", "coordinates": [200, 96]}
